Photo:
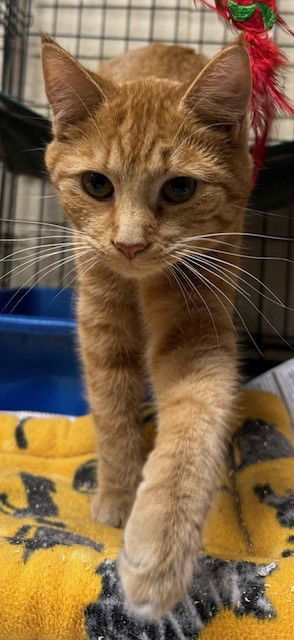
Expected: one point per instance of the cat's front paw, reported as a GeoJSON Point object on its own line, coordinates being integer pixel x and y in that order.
{"type": "Point", "coordinates": [157, 563]}
{"type": "Point", "coordinates": [112, 507]}
{"type": "Point", "coordinates": [150, 592]}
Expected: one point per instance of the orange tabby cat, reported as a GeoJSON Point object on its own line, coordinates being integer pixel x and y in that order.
{"type": "Point", "coordinates": [150, 159]}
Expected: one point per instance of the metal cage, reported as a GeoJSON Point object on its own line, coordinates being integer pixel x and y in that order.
{"type": "Point", "coordinates": [93, 31]}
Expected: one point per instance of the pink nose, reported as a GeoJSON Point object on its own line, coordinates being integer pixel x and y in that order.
{"type": "Point", "coordinates": [129, 250]}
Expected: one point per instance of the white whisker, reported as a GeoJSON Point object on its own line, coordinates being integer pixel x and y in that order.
{"type": "Point", "coordinates": [241, 291]}
{"type": "Point", "coordinates": [197, 273]}
{"type": "Point", "coordinates": [41, 223]}
{"type": "Point", "coordinates": [37, 248]}
{"type": "Point", "coordinates": [83, 272]}
{"type": "Point", "coordinates": [239, 255]}
{"type": "Point", "coordinates": [225, 271]}
{"type": "Point", "coordinates": [225, 262]}
{"type": "Point", "coordinates": [54, 266]}
{"type": "Point", "coordinates": [203, 300]}
{"type": "Point", "coordinates": [262, 213]}
{"type": "Point", "coordinates": [27, 238]}
{"type": "Point", "coordinates": [238, 233]}
{"type": "Point", "coordinates": [201, 276]}
{"type": "Point", "coordinates": [46, 197]}
{"type": "Point", "coordinates": [180, 285]}
{"type": "Point", "coordinates": [33, 260]}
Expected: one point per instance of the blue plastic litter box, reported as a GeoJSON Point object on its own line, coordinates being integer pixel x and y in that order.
{"type": "Point", "coordinates": [39, 367]}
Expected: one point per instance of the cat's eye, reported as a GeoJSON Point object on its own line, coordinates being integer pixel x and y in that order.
{"type": "Point", "coordinates": [97, 185]}
{"type": "Point", "coordinates": [179, 189]}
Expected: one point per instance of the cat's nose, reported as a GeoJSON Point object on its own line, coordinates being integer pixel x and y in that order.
{"type": "Point", "coordinates": [130, 250]}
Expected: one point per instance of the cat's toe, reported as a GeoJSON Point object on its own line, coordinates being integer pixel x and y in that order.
{"type": "Point", "coordinates": [151, 592]}
{"type": "Point", "coordinates": [112, 507]}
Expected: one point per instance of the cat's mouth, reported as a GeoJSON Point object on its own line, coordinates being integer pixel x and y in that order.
{"type": "Point", "coordinates": [133, 261]}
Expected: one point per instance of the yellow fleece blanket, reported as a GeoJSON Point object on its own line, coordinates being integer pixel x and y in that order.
{"type": "Point", "coordinates": [58, 577]}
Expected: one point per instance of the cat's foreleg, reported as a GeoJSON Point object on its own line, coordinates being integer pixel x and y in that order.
{"type": "Point", "coordinates": [111, 342]}
{"type": "Point", "coordinates": [163, 534]}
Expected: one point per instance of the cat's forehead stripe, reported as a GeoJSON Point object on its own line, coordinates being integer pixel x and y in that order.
{"type": "Point", "coordinates": [139, 130]}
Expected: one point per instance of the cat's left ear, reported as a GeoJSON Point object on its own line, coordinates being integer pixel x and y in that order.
{"type": "Point", "coordinates": [73, 91]}
{"type": "Point", "coordinates": [221, 92]}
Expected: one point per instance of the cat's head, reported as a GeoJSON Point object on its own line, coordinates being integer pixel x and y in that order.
{"type": "Point", "coordinates": [142, 166]}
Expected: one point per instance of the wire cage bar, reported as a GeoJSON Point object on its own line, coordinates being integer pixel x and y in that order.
{"type": "Point", "coordinates": [94, 30]}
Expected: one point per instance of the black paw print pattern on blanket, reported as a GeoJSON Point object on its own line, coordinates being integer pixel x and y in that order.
{"type": "Point", "coordinates": [54, 558]}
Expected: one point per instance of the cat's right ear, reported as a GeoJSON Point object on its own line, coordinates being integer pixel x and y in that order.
{"type": "Point", "coordinates": [72, 91]}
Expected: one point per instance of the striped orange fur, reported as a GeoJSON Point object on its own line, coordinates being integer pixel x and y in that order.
{"type": "Point", "coordinates": [143, 119]}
